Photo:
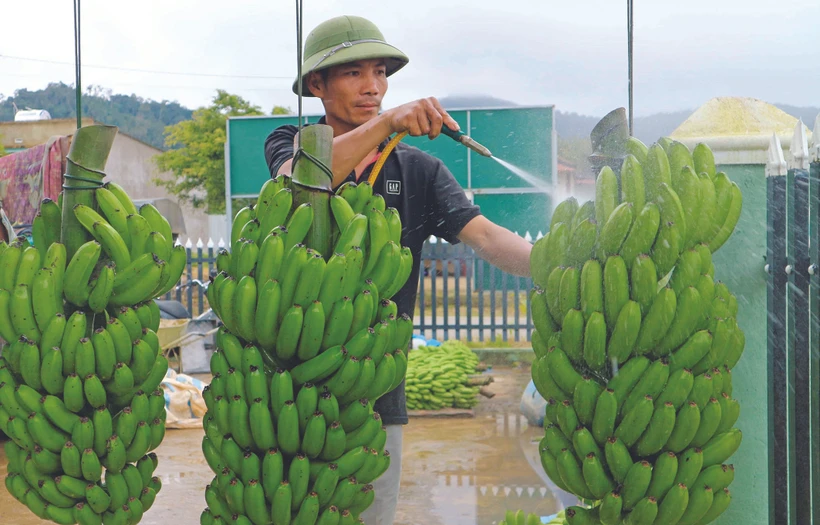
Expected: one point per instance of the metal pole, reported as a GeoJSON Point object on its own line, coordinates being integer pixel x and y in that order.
{"type": "Point", "coordinates": [78, 88]}
{"type": "Point", "coordinates": [629, 22]}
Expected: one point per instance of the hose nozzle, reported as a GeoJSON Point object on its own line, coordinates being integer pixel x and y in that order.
{"type": "Point", "coordinates": [460, 136]}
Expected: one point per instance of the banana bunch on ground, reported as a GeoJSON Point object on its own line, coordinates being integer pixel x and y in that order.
{"type": "Point", "coordinates": [309, 342]}
{"type": "Point", "coordinates": [80, 375]}
{"type": "Point", "coordinates": [438, 377]}
{"type": "Point", "coordinates": [636, 340]}
{"type": "Point", "coordinates": [520, 518]}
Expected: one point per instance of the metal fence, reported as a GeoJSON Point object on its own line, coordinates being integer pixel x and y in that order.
{"type": "Point", "coordinates": [460, 296]}
{"type": "Point", "coordinates": [793, 256]}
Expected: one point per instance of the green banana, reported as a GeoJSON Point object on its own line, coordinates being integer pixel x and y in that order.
{"type": "Point", "coordinates": [687, 316]}
{"type": "Point", "coordinates": [703, 159]}
{"type": "Point", "coordinates": [656, 171]}
{"type": "Point", "coordinates": [562, 370]}
{"type": "Point", "coordinates": [564, 212]}
{"type": "Point", "coordinates": [569, 291]}
{"type": "Point", "coordinates": [728, 225]}
{"type": "Point", "coordinates": [632, 183]}
{"type": "Point", "coordinates": [627, 377]}
{"type": "Point", "coordinates": [636, 483]}
{"type": "Point", "coordinates": [667, 247]}
{"type": "Point", "coordinates": [592, 292]}
{"type": "Point", "coordinates": [288, 428]}
{"type": "Point", "coordinates": [616, 289]}
{"type": "Point", "coordinates": [663, 475]}
{"type": "Point", "coordinates": [571, 473]}
{"type": "Point", "coordinates": [572, 336]}
{"type": "Point", "coordinates": [642, 235]}
{"type": "Point", "coordinates": [687, 186]}
{"type": "Point", "coordinates": [595, 476]}
{"type": "Point", "coordinates": [615, 231]}
{"type": "Point", "coordinates": [658, 431]}
{"type": "Point", "coordinates": [581, 243]}
{"type": "Point", "coordinates": [644, 513]}
{"type": "Point", "coordinates": [539, 256]}
{"type": "Point", "coordinates": [22, 313]}
{"type": "Point", "coordinates": [677, 388]}
{"type": "Point", "coordinates": [651, 384]}
{"type": "Point", "coordinates": [611, 508]}
{"type": "Point", "coordinates": [657, 321]}
{"type": "Point", "coordinates": [635, 421]}
{"type": "Point", "coordinates": [553, 291]}
{"type": "Point", "coordinates": [585, 398]}
{"type": "Point", "coordinates": [625, 333]}
{"type": "Point", "coordinates": [695, 348]}
{"type": "Point", "coordinates": [272, 472]}
{"type": "Point", "coordinates": [720, 502]}
{"type": "Point", "coordinates": [277, 212]}
{"type": "Point", "coordinates": [606, 195]}
{"type": "Point", "coordinates": [604, 416]}
{"type": "Point", "coordinates": [298, 477]}
{"type": "Point", "coordinates": [700, 499]}
{"type": "Point", "coordinates": [594, 341]}
{"type": "Point", "coordinates": [690, 464]}
{"type": "Point", "coordinates": [721, 447]}
{"type": "Point", "coordinates": [45, 303]}
{"type": "Point", "coordinates": [239, 421]}
{"type": "Point", "coordinates": [551, 467]}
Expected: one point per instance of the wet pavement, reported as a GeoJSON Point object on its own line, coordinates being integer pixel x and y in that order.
{"type": "Point", "coordinates": [464, 471]}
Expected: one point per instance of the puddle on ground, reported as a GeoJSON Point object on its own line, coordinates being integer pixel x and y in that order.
{"type": "Point", "coordinates": [455, 471]}
{"type": "Point", "coordinates": [469, 471]}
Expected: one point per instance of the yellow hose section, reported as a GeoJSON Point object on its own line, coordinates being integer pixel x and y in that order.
{"type": "Point", "coordinates": [383, 157]}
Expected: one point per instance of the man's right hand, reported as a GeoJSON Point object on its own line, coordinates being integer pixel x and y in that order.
{"type": "Point", "coordinates": [421, 117]}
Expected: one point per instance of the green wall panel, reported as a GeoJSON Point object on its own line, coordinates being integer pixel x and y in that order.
{"type": "Point", "coordinates": [453, 154]}
{"type": "Point", "coordinates": [246, 148]}
{"type": "Point", "coordinates": [520, 137]}
{"type": "Point", "coordinates": [516, 212]}
{"type": "Point", "coordinates": [739, 264]}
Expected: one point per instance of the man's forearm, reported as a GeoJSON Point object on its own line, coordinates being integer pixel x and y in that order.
{"type": "Point", "coordinates": [350, 148]}
{"type": "Point", "coordinates": [498, 246]}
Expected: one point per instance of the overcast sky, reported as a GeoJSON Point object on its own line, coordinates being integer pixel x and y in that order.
{"type": "Point", "coordinates": [535, 52]}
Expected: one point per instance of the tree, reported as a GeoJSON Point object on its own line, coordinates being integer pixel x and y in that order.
{"type": "Point", "coordinates": [197, 155]}
{"type": "Point", "coordinates": [281, 110]}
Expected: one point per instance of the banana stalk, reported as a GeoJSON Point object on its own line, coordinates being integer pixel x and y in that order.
{"type": "Point", "coordinates": [86, 159]}
{"type": "Point", "coordinates": [314, 186]}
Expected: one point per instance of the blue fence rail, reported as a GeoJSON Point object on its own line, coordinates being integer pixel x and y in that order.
{"type": "Point", "coordinates": [460, 296]}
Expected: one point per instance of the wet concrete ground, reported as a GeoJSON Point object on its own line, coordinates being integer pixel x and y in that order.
{"type": "Point", "coordinates": [455, 471]}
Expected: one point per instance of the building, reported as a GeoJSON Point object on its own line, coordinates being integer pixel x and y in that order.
{"type": "Point", "coordinates": [130, 164]}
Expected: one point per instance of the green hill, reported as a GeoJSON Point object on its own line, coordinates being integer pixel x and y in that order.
{"type": "Point", "coordinates": [135, 116]}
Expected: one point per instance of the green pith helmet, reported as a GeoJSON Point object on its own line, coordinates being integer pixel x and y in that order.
{"type": "Point", "coordinates": [346, 39]}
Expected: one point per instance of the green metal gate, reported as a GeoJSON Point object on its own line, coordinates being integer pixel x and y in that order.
{"type": "Point", "coordinates": [793, 255]}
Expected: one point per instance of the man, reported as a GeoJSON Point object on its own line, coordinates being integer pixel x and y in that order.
{"type": "Point", "coordinates": [347, 66]}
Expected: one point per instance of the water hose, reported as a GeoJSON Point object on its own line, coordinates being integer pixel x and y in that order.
{"type": "Point", "coordinates": [458, 136]}
{"type": "Point", "coordinates": [383, 157]}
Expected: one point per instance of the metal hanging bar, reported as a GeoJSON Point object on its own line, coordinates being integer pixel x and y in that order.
{"type": "Point", "coordinates": [77, 62]}
{"type": "Point", "coordinates": [629, 23]}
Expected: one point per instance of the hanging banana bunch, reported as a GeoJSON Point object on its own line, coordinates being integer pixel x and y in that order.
{"type": "Point", "coordinates": [636, 341]}
{"type": "Point", "coordinates": [310, 341]}
{"type": "Point", "coordinates": [80, 374]}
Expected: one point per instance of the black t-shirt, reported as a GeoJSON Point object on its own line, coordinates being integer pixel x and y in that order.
{"type": "Point", "coordinates": [429, 202]}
